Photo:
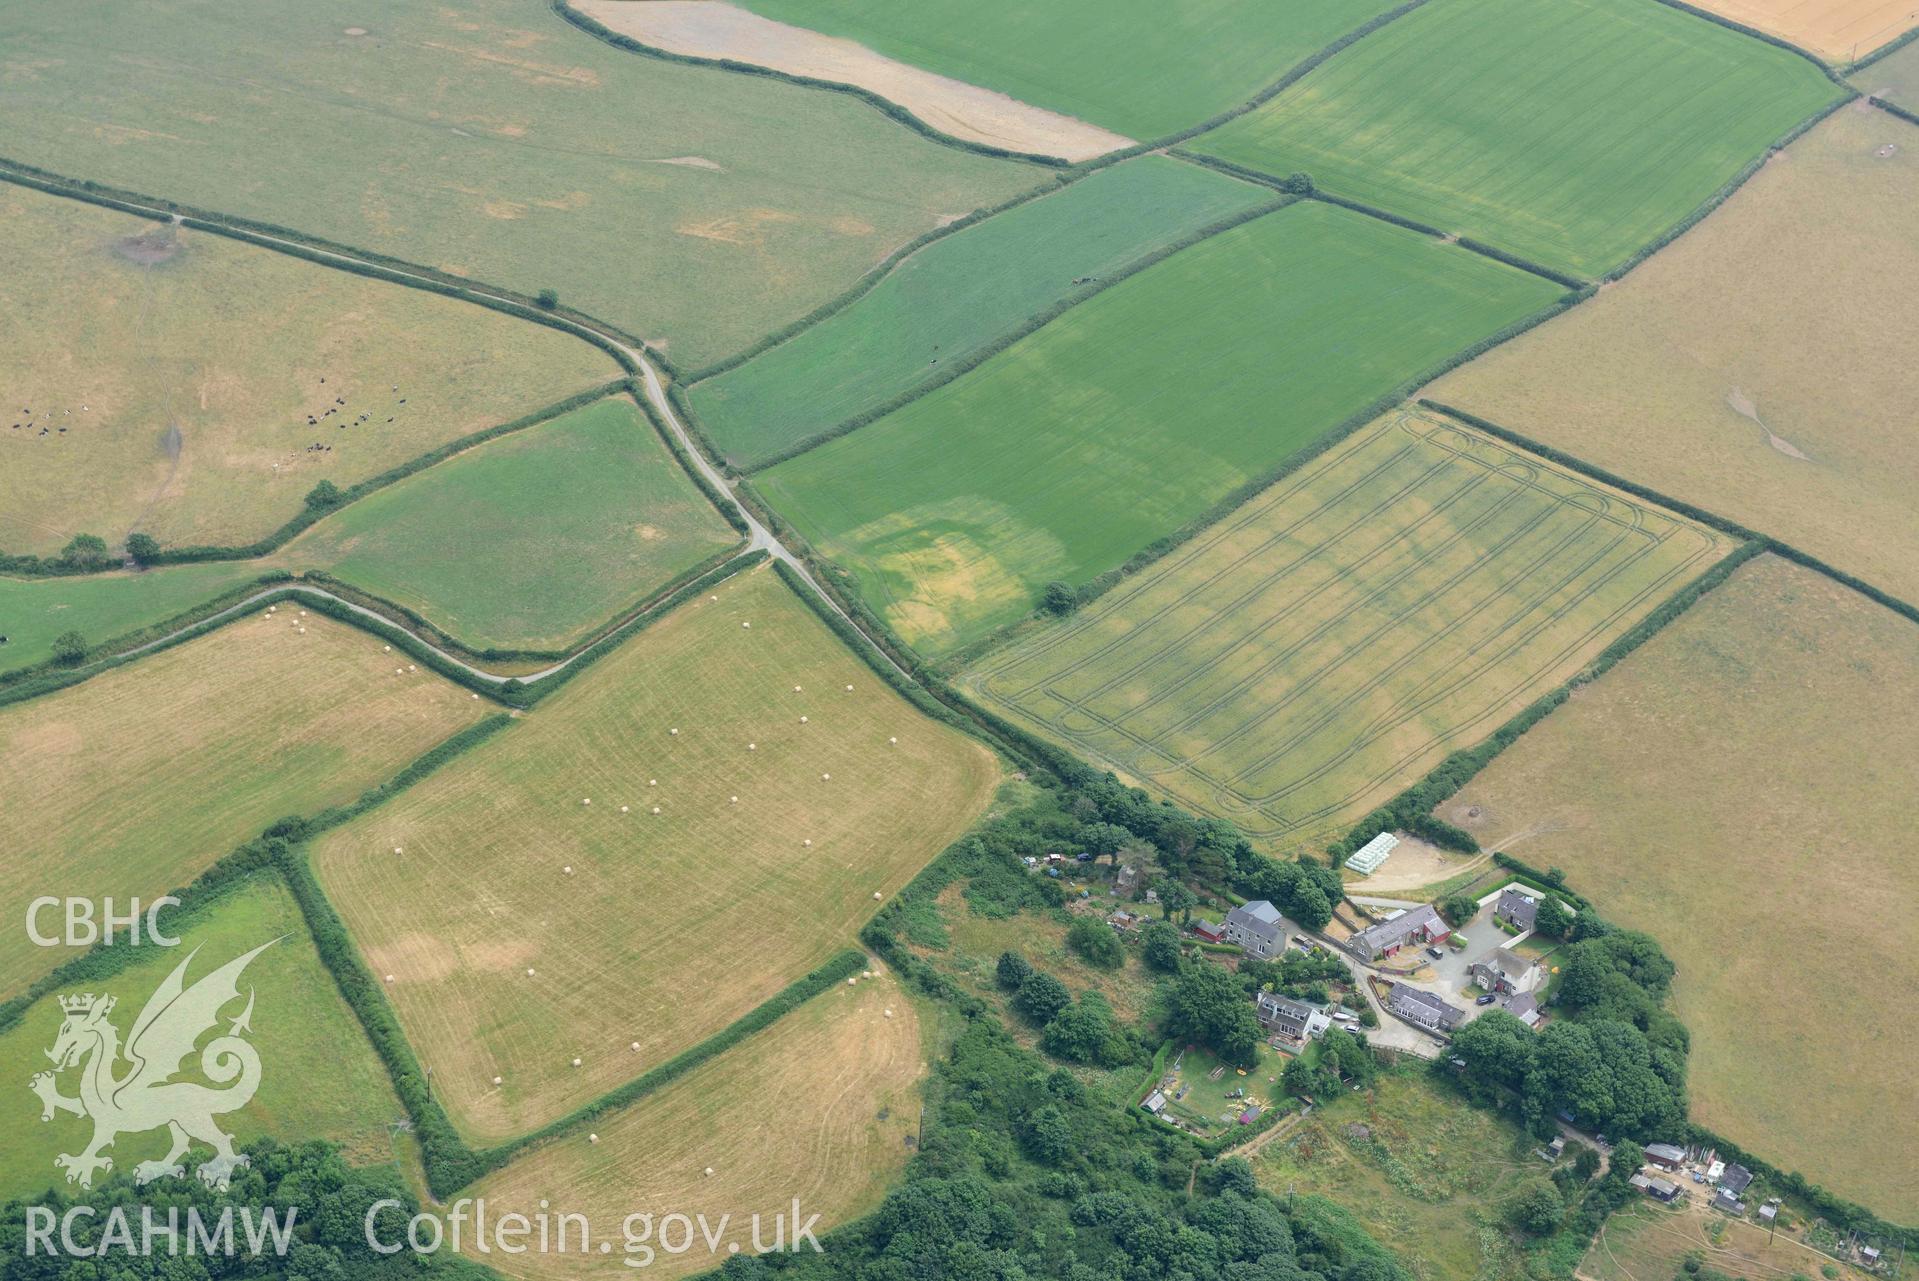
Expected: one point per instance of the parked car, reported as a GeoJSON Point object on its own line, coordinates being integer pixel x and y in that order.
{"type": "Point", "coordinates": [1084, 857]}
{"type": "Point", "coordinates": [1435, 953]}
{"type": "Point", "coordinates": [1487, 999]}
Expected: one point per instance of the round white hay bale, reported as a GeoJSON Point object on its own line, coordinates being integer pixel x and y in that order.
{"type": "Point", "coordinates": [635, 1047]}
{"type": "Point", "coordinates": [748, 625]}
{"type": "Point", "coordinates": [714, 599]}
{"type": "Point", "coordinates": [709, 1171]}
{"type": "Point", "coordinates": [752, 747]}
{"type": "Point", "coordinates": [808, 842]}
{"type": "Point", "coordinates": [892, 740]}
{"type": "Point", "coordinates": [652, 782]}
{"type": "Point", "coordinates": [398, 850]}
{"type": "Point", "coordinates": [849, 689]}
{"type": "Point", "coordinates": [852, 982]}
{"type": "Point", "coordinates": [796, 689]}
{"type": "Point", "coordinates": [476, 696]}
{"type": "Point", "coordinates": [303, 631]}
{"type": "Point", "coordinates": [732, 800]}
{"type": "Point", "coordinates": [866, 974]}
{"type": "Point", "coordinates": [826, 778]}
{"type": "Point", "coordinates": [656, 809]}
{"type": "Point", "coordinates": [410, 667]}
{"type": "Point", "coordinates": [272, 609]}
{"type": "Point", "coordinates": [397, 672]}
{"type": "Point", "coordinates": [889, 1014]}
{"type": "Point", "coordinates": [622, 809]}
{"type": "Point", "coordinates": [586, 800]}
{"type": "Point", "coordinates": [568, 869]}
{"type": "Point", "coordinates": [877, 894]}
{"type": "Point", "coordinates": [389, 978]}
{"type": "Point", "coordinates": [592, 1138]}
{"type": "Point", "coordinates": [529, 971]}
{"type": "Point", "coordinates": [675, 730]}
{"type": "Point", "coordinates": [802, 720]}
{"type": "Point", "coordinates": [498, 1081]}
{"type": "Point", "coordinates": [576, 1062]}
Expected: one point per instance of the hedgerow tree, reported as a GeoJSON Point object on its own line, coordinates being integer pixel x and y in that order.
{"type": "Point", "coordinates": [1059, 598]}
{"type": "Point", "coordinates": [1041, 997]}
{"type": "Point", "coordinates": [1553, 919]}
{"type": "Point", "coordinates": [323, 495]}
{"type": "Point", "coordinates": [144, 548]}
{"type": "Point", "coordinates": [69, 647]}
{"type": "Point", "coordinates": [1096, 943]}
{"type": "Point", "coordinates": [86, 551]}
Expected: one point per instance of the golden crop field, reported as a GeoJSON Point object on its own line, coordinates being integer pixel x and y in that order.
{"type": "Point", "coordinates": [1739, 788]}
{"type": "Point", "coordinates": [822, 1107]}
{"type": "Point", "coordinates": [782, 810]}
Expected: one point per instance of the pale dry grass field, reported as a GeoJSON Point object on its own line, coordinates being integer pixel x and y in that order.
{"type": "Point", "coordinates": [172, 373]}
{"type": "Point", "coordinates": [131, 783]}
{"type": "Point", "coordinates": [1761, 366]}
{"type": "Point", "coordinates": [671, 924]}
{"type": "Point", "coordinates": [1740, 788]}
{"type": "Point", "coordinates": [822, 1106]}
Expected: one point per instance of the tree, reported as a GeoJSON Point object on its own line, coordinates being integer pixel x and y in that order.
{"type": "Point", "coordinates": [1585, 1162]}
{"type": "Point", "coordinates": [1458, 908]}
{"type": "Point", "coordinates": [86, 551]}
{"type": "Point", "coordinates": [1041, 998]}
{"type": "Point", "coordinates": [1176, 899]}
{"type": "Point", "coordinates": [1310, 906]}
{"type": "Point", "coordinates": [324, 495]}
{"type": "Point", "coordinates": [1297, 183]}
{"type": "Point", "coordinates": [1536, 1208]}
{"type": "Point", "coordinates": [1161, 949]}
{"type": "Point", "coordinates": [1206, 1006]}
{"type": "Point", "coordinates": [1087, 1033]}
{"type": "Point", "coordinates": [548, 298]}
{"type": "Point", "coordinates": [1059, 598]}
{"type": "Point", "coordinates": [1498, 1049]}
{"type": "Point", "coordinates": [1096, 943]}
{"type": "Point", "coordinates": [1553, 919]}
{"type": "Point", "coordinates": [1012, 971]}
{"type": "Point", "coordinates": [144, 548]}
{"type": "Point", "coordinates": [1047, 1136]}
{"type": "Point", "coordinates": [69, 647]}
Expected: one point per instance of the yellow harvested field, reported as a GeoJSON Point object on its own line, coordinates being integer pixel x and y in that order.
{"type": "Point", "coordinates": [728, 810]}
{"type": "Point", "coordinates": [131, 783]}
{"type": "Point", "coordinates": [1740, 787]}
{"type": "Point", "coordinates": [1837, 30]}
{"type": "Point", "coordinates": [159, 379]}
{"type": "Point", "coordinates": [822, 1106]}
{"type": "Point", "coordinates": [1761, 366]}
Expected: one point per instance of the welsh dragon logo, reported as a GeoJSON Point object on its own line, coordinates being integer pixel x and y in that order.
{"type": "Point", "coordinates": [144, 1095]}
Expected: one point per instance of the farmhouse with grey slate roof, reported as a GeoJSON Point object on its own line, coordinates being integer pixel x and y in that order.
{"type": "Point", "coordinates": [1257, 927]}
{"type": "Point", "coordinates": [1516, 908]}
{"type": "Point", "coordinates": [1418, 926]}
{"type": "Point", "coordinates": [1423, 1009]}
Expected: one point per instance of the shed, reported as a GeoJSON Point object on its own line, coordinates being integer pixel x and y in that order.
{"type": "Point", "coordinates": [1735, 1180]}
{"type": "Point", "coordinates": [1666, 1156]}
{"type": "Point", "coordinates": [1209, 931]}
{"type": "Point", "coordinates": [1154, 1102]}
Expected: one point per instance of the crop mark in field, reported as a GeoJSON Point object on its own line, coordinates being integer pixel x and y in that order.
{"type": "Point", "coordinates": [1418, 578]}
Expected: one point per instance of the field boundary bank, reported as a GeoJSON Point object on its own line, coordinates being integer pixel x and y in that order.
{"type": "Point", "coordinates": [31, 566]}
{"type": "Point", "coordinates": [1312, 191]}
{"type": "Point", "coordinates": [1065, 177]}
{"type": "Point", "coordinates": [1712, 520]}
{"type": "Point", "coordinates": [520, 691]}
{"type": "Point", "coordinates": [1023, 329]}
{"type": "Point", "coordinates": [1885, 50]}
{"type": "Point", "coordinates": [1894, 110]}
{"type": "Point", "coordinates": [885, 106]}
{"type": "Point", "coordinates": [1833, 72]}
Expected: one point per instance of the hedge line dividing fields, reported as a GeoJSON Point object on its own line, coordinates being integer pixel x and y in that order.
{"type": "Point", "coordinates": [1048, 462]}
{"type": "Point", "coordinates": [1570, 134]}
{"type": "Point", "coordinates": [1331, 641]}
{"type": "Point", "coordinates": [960, 298]}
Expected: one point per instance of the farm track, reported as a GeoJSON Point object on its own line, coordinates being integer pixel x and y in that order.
{"type": "Point", "coordinates": [759, 537]}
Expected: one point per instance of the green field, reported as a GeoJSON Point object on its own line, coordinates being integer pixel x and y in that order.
{"type": "Point", "coordinates": [1740, 788]}
{"type": "Point", "coordinates": [1422, 1171]}
{"type": "Point", "coordinates": [1894, 77]}
{"type": "Point", "coordinates": [696, 207]}
{"type": "Point", "coordinates": [674, 924]}
{"type": "Point", "coordinates": [531, 540]}
{"type": "Point", "coordinates": [160, 379]}
{"type": "Point", "coordinates": [958, 296]}
{"type": "Point", "coordinates": [1327, 644]}
{"type": "Point", "coordinates": [1142, 68]}
{"type": "Point", "coordinates": [104, 607]}
{"type": "Point", "coordinates": [1054, 460]}
{"type": "Point", "coordinates": [319, 1078]}
{"type": "Point", "coordinates": [1571, 133]}
{"type": "Point", "coordinates": [1758, 367]}
{"type": "Point", "coordinates": [131, 783]}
